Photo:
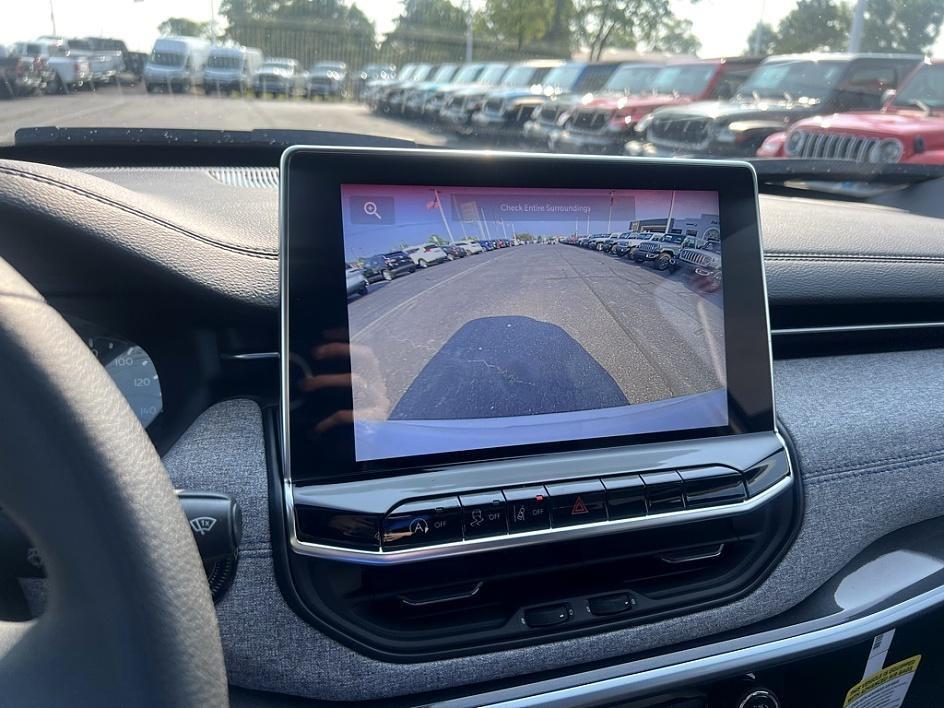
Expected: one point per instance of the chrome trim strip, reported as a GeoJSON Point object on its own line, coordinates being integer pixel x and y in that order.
{"type": "Point", "coordinates": [478, 545]}
{"type": "Point", "coordinates": [250, 356]}
{"type": "Point", "coordinates": [841, 329]}
{"type": "Point", "coordinates": [637, 681]}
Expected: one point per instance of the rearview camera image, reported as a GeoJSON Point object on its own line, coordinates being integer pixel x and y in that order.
{"type": "Point", "coordinates": [492, 317]}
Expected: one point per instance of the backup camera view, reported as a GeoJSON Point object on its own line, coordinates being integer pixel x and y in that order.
{"type": "Point", "coordinates": [486, 317]}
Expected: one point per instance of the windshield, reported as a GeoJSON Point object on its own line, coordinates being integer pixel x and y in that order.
{"type": "Point", "coordinates": [276, 66]}
{"type": "Point", "coordinates": [224, 61]}
{"type": "Point", "coordinates": [467, 73]}
{"type": "Point", "coordinates": [793, 80]}
{"type": "Point", "coordinates": [519, 76]}
{"type": "Point", "coordinates": [445, 72]}
{"type": "Point", "coordinates": [689, 80]}
{"type": "Point", "coordinates": [926, 87]}
{"type": "Point", "coordinates": [633, 79]}
{"type": "Point", "coordinates": [422, 71]}
{"type": "Point", "coordinates": [563, 77]}
{"type": "Point", "coordinates": [493, 74]}
{"type": "Point", "coordinates": [167, 59]}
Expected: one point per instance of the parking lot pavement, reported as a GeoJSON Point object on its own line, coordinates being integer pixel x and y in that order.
{"type": "Point", "coordinates": [542, 307]}
{"type": "Point", "coordinates": [132, 107]}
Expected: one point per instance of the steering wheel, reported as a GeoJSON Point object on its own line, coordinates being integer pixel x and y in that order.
{"type": "Point", "coordinates": [129, 619]}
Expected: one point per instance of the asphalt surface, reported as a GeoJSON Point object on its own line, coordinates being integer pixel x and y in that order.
{"type": "Point", "coordinates": [552, 327]}
{"type": "Point", "coordinates": [132, 107]}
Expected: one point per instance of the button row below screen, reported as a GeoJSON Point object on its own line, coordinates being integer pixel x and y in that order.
{"type": "Point", "coordinates": [539, 507]}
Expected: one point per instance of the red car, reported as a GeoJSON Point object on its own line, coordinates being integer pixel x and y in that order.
{"type": "Point", "coordinates": [606, 123]}
{"type": "Point", "coordinates": [908, 129]}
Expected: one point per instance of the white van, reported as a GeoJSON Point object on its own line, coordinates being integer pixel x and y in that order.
{"type": "Point", "coordinates": [176, 64]}
{"type": "Point", "coordinates": [230, 69]}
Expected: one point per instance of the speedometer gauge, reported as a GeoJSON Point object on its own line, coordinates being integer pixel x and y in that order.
{"type": "Point", "coordinates": [133, 372]}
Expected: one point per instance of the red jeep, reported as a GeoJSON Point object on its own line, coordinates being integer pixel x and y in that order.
{"type": "Point", "coordinates": [908, 129]}
{"type": "Point", "coordinates": [606, 123]}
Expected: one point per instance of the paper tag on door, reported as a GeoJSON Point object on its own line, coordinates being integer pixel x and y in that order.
{"type": "Point", "coordinates": [877, 654]}
{"type": "Point", "coordinates": [885, 689]}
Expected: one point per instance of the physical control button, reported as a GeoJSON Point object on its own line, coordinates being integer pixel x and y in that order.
{"type": "Point", "coordinates": [423, 523]}
{"type": "Point", "coordinates": [547, 616]}
{"type": "Point", "coordinates": [334, 527]}
{"type": "Point", "coordinates": [484, 514]}
{"type": "Point", "coordinates": [575, 503]}
{"type": "Point", "coordinates": [711, 486]}
{"type": "Point", "coordinates": [663, 492]}
{"type": "Point", "coordinates": [611, 604]}
{"type": "Point", "coordinates": [528, 509]}
{"type": "Point", "coordinates": [625, 496]}
{"type": "Point", "coordinates": [766, 474]}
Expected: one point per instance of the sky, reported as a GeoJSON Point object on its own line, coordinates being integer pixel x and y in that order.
{"type": "Point", "coordinates": [722, 25]}
{"type": "Point", "coordinates": [397, 215]}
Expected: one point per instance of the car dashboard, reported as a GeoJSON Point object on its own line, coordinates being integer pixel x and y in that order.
{"type": "Point", "coordinates": [171, 276]}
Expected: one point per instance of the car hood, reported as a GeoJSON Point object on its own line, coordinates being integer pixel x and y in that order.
{"type": "Point", "coordinates": [729, 111]}
{"type": "Point", "coordinates": [893, 123]}
{"type": "Point", "coordinates": [644, 102]}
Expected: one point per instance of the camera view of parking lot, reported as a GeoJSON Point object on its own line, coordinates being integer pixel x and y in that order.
{"type": "Point", "coordinates": [475, 313]}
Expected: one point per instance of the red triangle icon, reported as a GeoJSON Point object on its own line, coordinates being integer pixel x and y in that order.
{"type": "Point", "coordinates": [579, 507]}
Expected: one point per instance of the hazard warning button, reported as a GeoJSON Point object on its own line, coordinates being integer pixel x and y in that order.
{"type": "Point", "coordinates": [575, 503]}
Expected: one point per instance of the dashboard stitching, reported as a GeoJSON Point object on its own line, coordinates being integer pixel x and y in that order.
{"type": "Point", "coordinates": [255, 253]}
{"type": "Point", "coordinates": [851, 258]}
{"type": "Point", "coordinates": [879, 462]}
{"type": "Point", "coordinates": [851, 474]}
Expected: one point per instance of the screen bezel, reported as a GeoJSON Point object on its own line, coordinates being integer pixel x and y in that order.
{"type": "Point", "coordinates": [312, 278]}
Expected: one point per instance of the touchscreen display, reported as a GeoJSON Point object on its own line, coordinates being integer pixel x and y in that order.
{"type": "Point", "coordinates": [492, 317]}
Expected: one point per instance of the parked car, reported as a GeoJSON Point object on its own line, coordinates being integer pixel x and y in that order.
{"type": "Point", "coordinates": [390, 99]}
{"type": "Point", "coordinates": [176, 64]}
{"type": "Point", "coordinates": [106, 64]}
{"type": "Point", "coordinates": [908, 129]}
{"type": "Point", "coordinates": [425, 100]}
{"type": "Point", "coordinates": [375, 89]}
{"type": "Point", "coordinates": [356, 282]}
{"type": "Point", "coordinates": [369, 73]}
{"type": "Point", "coordinates": [279, 77]}
{"type": "Point", "coordinates": [443, 98]}
{"type": "Point", "coordinates": [470, 247]}
{"type": "Point", "coordinates": [426, 254]}
{"type": "Point", "coordinates": [19, 75]}
{"type": "Point", "coordinates": [627, 243]}
{"type": "Point", "coordinates": [781, 91]}
{"type": "Point", "coordinates": [505, 110]}
{"type": "Point", "coordinates": [230, 69]}
{"type": "Point", "coordinates": [660, 251]}
{"type": "Point", "coordinates": [391, 265]}
{"type": "Point", "coordinates": [454, 251]}
{"type": "Point", "coordinates": [61, 71]}
{"type": "Point", "coordinates": [327, 79]}
{"type": "Point", "coordinates": [462, 102]}
{"type": "Point", "coordinates": [606, 123]}
{"type": "Point", "coordinates": [578, 83]}
{"type": "Point", "coordinates": [132, 62]}
{"type": "Point", "coordinates": [701, 256]}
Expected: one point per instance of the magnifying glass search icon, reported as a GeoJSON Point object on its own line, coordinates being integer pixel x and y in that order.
{"type": "Point", "coordinates": [371, 210]}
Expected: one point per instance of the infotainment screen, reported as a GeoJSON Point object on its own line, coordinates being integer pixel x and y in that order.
{"type": "Point", "coordinates": [444, 307]}
{"type": "Point", "coordinates": [494, 317]}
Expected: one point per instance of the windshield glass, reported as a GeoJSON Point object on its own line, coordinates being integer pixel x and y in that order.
{"type": "Point", "coordinates": [519, 76]}
{"type": "Point", "coordinates": [793, 80]}
{"type": "Point", "coordinates": [224, 61]}
{"type": "Point", "coordinates": [167, 59]}
{"type": "Point", "coordinates": [689, 80]}
{"type": "Point", "coordinates": [926, 87]}
{"type": "Point", "coordinates": [467, 73]}
{"type": "Point", "coordinates": [445, 72]}
{"type": "Point", "coordinates": [493, 74]}
{"type": "Point", "coordinates": [632, 79]}
{"type": "Point", "coordinates": [422, 71]}
{"type": "Point", "coordinates": [276, 65]}
{"type": "Point", "coordinates": [563, 77]}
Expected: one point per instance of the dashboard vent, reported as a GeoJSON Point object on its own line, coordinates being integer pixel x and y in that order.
{"type": "Point", "coordinates": [248, 177]}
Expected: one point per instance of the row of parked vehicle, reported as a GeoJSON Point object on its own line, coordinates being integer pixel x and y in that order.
{"type": "Point", "coordinates": [877, 108]}
{"type": "Point", "coordinates": [668, 251]}
{"type": "Point", "coordinates": [391, 265]}
{"type": "Point", "coordinates": [59, 65]}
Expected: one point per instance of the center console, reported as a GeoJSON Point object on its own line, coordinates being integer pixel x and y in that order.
{"type": "Point", "coordinates": [521, 398]}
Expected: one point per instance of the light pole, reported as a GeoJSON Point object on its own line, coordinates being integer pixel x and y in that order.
{"type": "Point", "coordinates": [52, 18]}
{"type": "Point", "coordinates": [468, 31]}
{"type": "Point", "coordinates": [858, 24]}
{"type": "Point", "coordinates": [212, 23]}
